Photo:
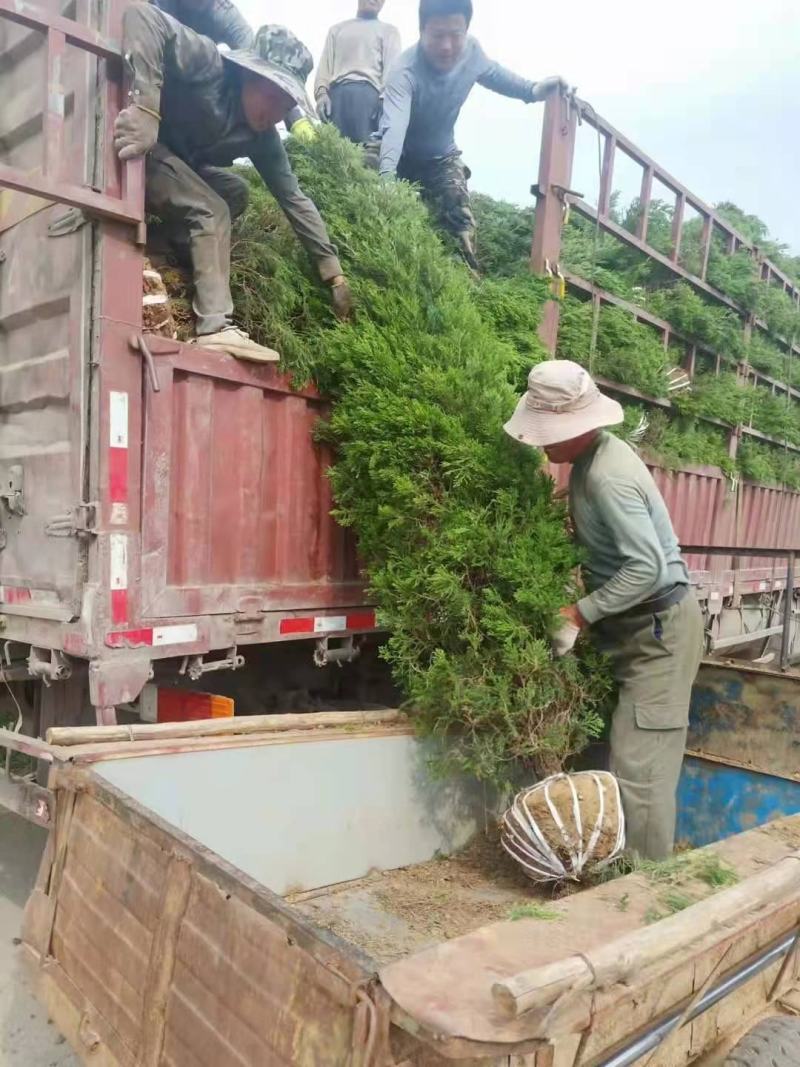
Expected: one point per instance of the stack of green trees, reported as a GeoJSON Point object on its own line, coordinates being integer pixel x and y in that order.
{"type": "Point", "coordinates": [463, 543]}
{"type": "Point", "coordinates": [630, 351]}
{"type": "Point", "coordinates": [464, 546]}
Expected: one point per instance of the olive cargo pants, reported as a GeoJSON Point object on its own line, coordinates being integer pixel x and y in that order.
{"type": "Point", "coordinates": [655, 660]}
{"type": "Point", "coordinates": [196, 209]}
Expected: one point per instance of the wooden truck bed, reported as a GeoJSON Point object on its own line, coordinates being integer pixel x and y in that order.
{"type": "Point", "coordinates": [197, 907]}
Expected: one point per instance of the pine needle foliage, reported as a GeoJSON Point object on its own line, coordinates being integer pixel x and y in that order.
{"type": "Point", "coordinates": [463, 545]}
{"type": "Point", "coordinates": [625, 350]}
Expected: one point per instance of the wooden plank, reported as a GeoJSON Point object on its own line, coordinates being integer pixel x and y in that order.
{"type": "Point", "coordinates": [619, 961]}
{"type": "Point", "coordinates": [126, 750]}
{"type": "Point", "coordinates": [129, 867]}
{"type": "Point", "coordinates": [88, 1033]}
{"type": "Point", "coordinates": [33, 802]}
{"type": "Point", "coordinates": [338, 957]}
{"type": "Point", "coordinates": [162, 960]}
{"type": "Point", "coordinates": [98, 977]}
{"type": "Point", "coordinates": [245, 724]}
{"type": "Point", "coordinates": [106, 922]}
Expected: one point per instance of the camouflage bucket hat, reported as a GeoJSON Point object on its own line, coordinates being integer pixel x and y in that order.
{"type": "Point", "coordinates": [281, 58]}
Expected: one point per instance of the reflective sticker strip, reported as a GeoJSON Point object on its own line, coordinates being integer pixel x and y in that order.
{"type": "Point", "coordinates": [118, 419]}
{"type": "Point", "coordinates": [326, 624]}
{"type": "Point", "coordinates": [185, 634]}
{"type": "Point", "coordinates": [118, 577]}
{"type": "Point", "coordinates": [118, 456]}
{"type": "Point", "coordinates": [175, 635]}
{"type": "Point", "coordinates": [10, 594]}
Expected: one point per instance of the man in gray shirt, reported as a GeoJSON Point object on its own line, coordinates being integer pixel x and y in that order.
{"type": "Point", "coordinates": [356, 59]}
{"type": "Point", "coordinates": [638, 602]}
{"type": "Point", "coordinates": [423, 97]}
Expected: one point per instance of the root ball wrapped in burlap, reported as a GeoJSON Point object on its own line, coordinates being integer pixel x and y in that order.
{"type": "Point", "coordinates": [566, 827]}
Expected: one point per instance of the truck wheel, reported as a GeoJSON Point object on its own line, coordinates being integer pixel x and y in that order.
{"type": "Point", "coordinates": [773, 1042]}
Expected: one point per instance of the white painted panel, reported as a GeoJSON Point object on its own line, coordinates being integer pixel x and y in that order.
{"type": "Point", "coordinates": [310, 813]}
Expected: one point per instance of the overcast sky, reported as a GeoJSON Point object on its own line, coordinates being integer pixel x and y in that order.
{"type": "Point", "coordinates": [709, 88]}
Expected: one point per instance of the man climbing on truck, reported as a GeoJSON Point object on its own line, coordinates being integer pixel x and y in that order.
{"type": "Point", "coordinates": [422, 101]}
{"type": "Point", "coordinates": [220, 20]}
{"type": "Point", "coordinates": [223, 23]}
{"type": "Point", "coordinates": [639, 604]}
{"type": "Point", "coordinates": [192, 110]}
{"type": "Point", "coordinates": [356, 59]}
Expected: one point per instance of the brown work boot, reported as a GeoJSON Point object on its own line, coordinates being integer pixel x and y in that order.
{"type": "Point", "coordinates": [239, 344]}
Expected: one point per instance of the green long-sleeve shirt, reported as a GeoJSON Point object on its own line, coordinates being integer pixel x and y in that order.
{"type": "Point", "coordinates": [622, 523]}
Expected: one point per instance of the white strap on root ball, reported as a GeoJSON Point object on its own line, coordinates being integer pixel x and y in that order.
{"type": "Point", "coordinates": [566, 827]}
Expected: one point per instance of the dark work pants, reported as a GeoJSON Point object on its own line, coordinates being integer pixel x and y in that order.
{"type": "Point", "coordinates": [355, 108]}
{"type": "Point", "coordinates": [196, 208]}
{"type": "Point", "coordinates": [444, 184]}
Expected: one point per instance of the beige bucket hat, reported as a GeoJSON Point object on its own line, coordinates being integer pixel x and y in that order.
{"type": "Point", "coordinates": [562, 402]}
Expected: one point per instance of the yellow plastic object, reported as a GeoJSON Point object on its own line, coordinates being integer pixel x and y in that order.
{"type": "Point", "coordinates": [304, 131]}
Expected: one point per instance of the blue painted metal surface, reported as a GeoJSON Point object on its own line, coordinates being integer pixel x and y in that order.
{"type": "Point", "coordinates": [716, 800]}
{"type": "Point", "coordinates": [747, 715]}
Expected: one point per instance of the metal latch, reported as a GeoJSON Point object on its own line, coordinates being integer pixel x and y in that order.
{"type": "Point", "coordinates": [48, 664]}
{"type": "Point", "coordinates": [79, 522]}
{"type": "Point", "coordinates": [11, 490]}
{"type": "Point", "coordinates": [196, 666]}
{"type": "Point", "coordinates": [345, 652]}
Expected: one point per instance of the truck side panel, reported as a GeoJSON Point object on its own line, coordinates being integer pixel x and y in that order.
{"type": "Point", "coordinates": [153, 953]}
{"type": "Point", "coordinates": [46, 265]}
{"type": "Point", "coordinates": [236, 500]}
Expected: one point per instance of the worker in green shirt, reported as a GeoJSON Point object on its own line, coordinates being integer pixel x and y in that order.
{"type": "Point", "coordinates": [638, 602]}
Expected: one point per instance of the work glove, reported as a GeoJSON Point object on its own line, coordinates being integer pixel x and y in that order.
{"type": "Point", "coordinates": [341, 298]}
{"type": "Point", "coordinates": [304, 130]}
{"type": "Point", "coordinates": [564, 639]}
{"type": "Point", "coordinates": [135, 131]}
{"type": "Point", "coordinates": [543, 88]}
{"type": "Point", "coordinates": [324, 107]}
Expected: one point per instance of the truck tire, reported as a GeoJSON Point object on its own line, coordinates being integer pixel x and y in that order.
{"type": "Point", "coordinates": [773, 1042]}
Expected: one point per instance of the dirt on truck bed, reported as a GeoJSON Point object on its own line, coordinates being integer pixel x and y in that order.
{"type": "Point", "coordinates": [391, 914]}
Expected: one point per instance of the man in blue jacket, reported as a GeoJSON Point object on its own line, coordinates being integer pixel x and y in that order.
{"type": "Point", "coordinates": [423, 98]}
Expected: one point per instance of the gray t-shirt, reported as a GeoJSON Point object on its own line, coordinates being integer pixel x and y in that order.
{"type": "Point", "coordinates": [622, 522]}
{"type": "Point", "coordinates": [421, 105]}
{"type": "Point", "coordinates": [357, 50]}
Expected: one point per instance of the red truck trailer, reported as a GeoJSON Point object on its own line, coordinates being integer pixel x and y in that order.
{"type": "Point", "coordinates": [159, 502]}
{"type": "Point", "coordinates": [161, 507]}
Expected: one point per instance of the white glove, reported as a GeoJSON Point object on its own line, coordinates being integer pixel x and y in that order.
{"type": "Point", "coordinates": [135, 131]}
{"type": "Point", "coordinates": [564, 639]}
{"type": "Point", "coordinates": [543, 88]}
{"type": "Point", "coordinates": [324, 107]}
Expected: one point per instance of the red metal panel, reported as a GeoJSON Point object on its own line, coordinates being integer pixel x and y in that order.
{"type": "Point", "coordinates": [236, 498]}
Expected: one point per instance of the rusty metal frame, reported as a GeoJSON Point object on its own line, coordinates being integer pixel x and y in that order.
{"type": "Point", "coordinates": [60, 33]}
{"type": "Point", "coordinates": [563, 113]}
{"type": "Point", "coordinates": [789, 554]}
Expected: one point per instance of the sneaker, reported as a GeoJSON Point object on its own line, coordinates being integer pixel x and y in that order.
{"type": "Point", "coordinates": [237, 343]}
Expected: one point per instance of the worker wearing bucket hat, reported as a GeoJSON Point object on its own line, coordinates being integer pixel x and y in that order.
{"type": "Point", "coordinates": [638, 602]}
{"type": "Point", "coordinates": [193, 110]}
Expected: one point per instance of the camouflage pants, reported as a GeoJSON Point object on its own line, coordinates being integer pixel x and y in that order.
{"type": "Point", "coordinates": [444, 188]}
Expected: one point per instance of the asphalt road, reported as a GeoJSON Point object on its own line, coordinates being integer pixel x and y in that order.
{"type": "Point", "coordinates": [27, 1039]}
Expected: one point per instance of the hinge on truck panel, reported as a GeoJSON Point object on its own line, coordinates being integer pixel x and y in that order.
{"type": "Point", "coordinates": [79, 522]}
{"type": "Point", "coordinates": [11, 491]}
{"type": "Point", "coordinates": [197, 666]}
{"type": "Point", "coordinates": [345, 652]}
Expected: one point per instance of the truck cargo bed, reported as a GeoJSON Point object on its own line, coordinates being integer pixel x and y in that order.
{"type": "Point", "coordinates": [393, 913]}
